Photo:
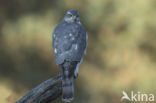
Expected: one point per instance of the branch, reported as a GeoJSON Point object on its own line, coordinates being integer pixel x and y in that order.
{"type": "Point", "coordinates": [45, 92]}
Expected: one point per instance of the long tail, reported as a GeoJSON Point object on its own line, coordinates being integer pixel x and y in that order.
{"type": "Point", "coordinates": [68, 89]}
{"type": "Point", "coordinates": [67, 72]}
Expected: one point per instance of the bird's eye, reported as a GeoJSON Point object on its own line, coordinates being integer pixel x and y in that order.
{"type": "Point", "coordinates": [69, 15]}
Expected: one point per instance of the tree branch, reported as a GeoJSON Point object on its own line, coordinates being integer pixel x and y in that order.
{"type": "Point", "coordinates": [45, 92]}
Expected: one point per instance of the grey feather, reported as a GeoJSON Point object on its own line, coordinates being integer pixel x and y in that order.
{"type": "Point", "coordinates": [67, 72]}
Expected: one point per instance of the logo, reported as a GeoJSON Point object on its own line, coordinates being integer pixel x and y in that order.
{"type": "Point", "coordinates": [140, 97]}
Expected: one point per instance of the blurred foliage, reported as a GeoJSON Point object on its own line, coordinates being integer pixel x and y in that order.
{"type": "Point", "coordinates": [121, 53]}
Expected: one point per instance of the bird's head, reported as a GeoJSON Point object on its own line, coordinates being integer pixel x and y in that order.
{"type": "Point", "coordinates": [72, 16]}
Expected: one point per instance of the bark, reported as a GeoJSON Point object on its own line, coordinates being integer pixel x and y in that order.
{"type": "Point", "coordinates": [45, 92]}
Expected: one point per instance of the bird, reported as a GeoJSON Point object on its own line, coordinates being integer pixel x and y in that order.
{"type": "Point", "coordinates": [69, 43]}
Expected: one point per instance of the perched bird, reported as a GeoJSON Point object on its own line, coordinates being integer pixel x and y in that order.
{"type": "Point", "coordinates": [69, 44]}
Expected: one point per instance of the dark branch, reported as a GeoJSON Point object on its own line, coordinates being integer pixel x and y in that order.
{"type": "Point", "coordinates": [45, 92]}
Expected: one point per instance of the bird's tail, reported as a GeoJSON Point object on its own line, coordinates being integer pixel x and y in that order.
{"type": "Point", "coordinates": [67, 73]}
{"type": "Point", "coordinates": [68, 89]}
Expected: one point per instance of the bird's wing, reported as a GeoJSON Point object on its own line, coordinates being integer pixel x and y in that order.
{"type": "Point", "coordinates": [69, 43]}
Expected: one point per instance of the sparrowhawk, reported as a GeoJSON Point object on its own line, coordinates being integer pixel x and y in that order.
{"type": "Point", "coordinates": [69, 45]}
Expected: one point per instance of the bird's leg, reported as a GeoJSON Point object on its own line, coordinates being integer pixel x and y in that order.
{"type": "Point", "coordinates": [76, 71]}
{"type": "Point", "coordinates": [75, 76]}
